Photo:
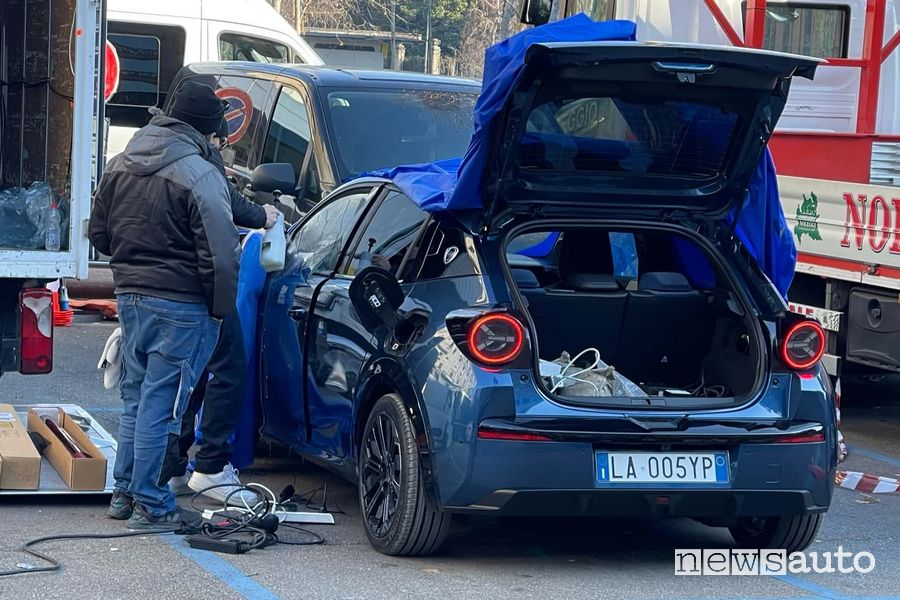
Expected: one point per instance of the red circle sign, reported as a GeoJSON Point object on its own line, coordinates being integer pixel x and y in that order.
{"type": "Point", "coordinates": [239, 113]}
{"type": "Point", "coordinates": [112, 70]}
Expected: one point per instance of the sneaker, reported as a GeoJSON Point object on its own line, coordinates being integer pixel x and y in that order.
{"type": "Point", "coordinates": [179, 484]}
{"type": "Point", "coordinates": [218, 486]}
{"type": "Point", "coordinates": [173, 521]}
{"type": "Point", "coordinates": [121, 506]}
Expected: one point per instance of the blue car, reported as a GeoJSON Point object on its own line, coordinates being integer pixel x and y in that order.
{"type": "Point", "coordinates": [595, 339]}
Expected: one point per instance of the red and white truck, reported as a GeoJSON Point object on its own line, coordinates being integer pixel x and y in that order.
{"type": "Point", "coordinates": [836, 149]}
{"type": "Point", "coordinates": [51, 107]}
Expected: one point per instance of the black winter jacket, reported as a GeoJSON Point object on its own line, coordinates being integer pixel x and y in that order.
{"type": "Point", "coordinates": [244, 212]}
{"type": "Point", "coordinates": [162, 212]}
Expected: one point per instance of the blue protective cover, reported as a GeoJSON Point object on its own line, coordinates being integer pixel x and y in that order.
{"type": "Point", "coordinates": [251, 280]}
{"type": "Point", "coordinates": [454, 185]}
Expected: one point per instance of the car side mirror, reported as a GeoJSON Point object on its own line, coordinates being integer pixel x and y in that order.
{"type": "Point", "coordinates": [274, 178]}
{"type": "Point", "coordinates": [536, 12]}
{"type": "Point", "coordinates": [376, 295]}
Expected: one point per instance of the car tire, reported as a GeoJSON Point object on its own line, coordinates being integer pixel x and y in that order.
{"type": "Point", "coordinates": [792, 533]}
{"type": "Point", "coordinates": [397, 519]}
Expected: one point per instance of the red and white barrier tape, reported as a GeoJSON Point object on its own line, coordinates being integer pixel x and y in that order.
{"type": "Point", "coordinates": [842, 450]}
{"type": "Point", "coordinates": [863, 482]}
{"type": "Point", "coordinates": [854, 480]}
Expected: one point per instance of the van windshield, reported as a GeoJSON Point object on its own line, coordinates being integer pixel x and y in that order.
{"type": "Point", "coordinates": [382, 128]}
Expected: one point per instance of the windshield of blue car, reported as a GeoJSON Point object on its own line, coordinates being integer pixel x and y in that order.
{"type": "Point", "coordinates": [382, 128]}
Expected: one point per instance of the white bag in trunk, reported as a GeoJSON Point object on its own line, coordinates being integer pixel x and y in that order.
{"type": "Point", "coordinates": [596, 380]}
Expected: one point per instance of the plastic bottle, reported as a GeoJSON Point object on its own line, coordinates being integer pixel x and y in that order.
{"type": "Point", "coordinates": [271, 254]}
{"type": "Point", "coordinates": [52, 238]}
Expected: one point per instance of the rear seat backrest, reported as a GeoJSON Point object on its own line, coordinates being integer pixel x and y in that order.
{"type": "Point", "coordinates": [665, 334]}
{"type": "Point", "coordinates": [584, 310]}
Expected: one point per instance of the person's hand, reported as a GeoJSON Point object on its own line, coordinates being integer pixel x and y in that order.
{"type": "Point", "coordinates": [271, 215]}
{"type": "Point", "coordinates": [380, 261]}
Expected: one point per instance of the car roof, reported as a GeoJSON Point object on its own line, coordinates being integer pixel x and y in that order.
{"type": "Point", "coordinates": [337, 77]}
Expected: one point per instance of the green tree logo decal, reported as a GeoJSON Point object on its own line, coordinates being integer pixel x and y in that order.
{"type": "Point", "coordinates": [808, 218]}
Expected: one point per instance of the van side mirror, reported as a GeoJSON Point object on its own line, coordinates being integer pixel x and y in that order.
{"type": "Point", "coordinates": [536, 12]}
{"type": "Point", "coordinates": [274, 178]}
{"type": "Point", "coordinates": [376, 295]}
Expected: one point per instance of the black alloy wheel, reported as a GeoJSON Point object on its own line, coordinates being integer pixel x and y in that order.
{"type": "Point", "coordinates": [398, 519]}
{"type": "Point", "coordinates": [381, 465]}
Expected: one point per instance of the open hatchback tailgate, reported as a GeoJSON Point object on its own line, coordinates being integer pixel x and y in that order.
{"type": "Point", "coordinates": [630, 127]}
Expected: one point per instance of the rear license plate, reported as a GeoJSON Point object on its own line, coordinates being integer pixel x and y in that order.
{"type": "Point", "coordinates": [661, 467]}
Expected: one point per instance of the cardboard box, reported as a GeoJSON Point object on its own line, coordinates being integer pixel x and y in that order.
{"type": "Point", "coordinates": [20, 463]}
{"type": "Point", "coordinates": [78, 473]}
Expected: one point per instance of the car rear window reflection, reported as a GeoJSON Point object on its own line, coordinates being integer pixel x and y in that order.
{"type": "Point", "coordinates": [650, 136]}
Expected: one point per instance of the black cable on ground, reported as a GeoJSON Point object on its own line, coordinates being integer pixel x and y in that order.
{"type": "Point", "coordinates": [55, 565]}
{"type": "Point", "coordinates": [248, 530]}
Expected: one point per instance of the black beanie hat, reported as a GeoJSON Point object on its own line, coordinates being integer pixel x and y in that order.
{"type": "Point", "coordinates": [197, 105]}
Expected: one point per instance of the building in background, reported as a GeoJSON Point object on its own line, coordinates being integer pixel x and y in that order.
{"type": "Point", "coordinates": [363, 49]}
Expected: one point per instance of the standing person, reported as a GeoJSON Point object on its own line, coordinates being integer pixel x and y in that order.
{"type": "Point", "coordinates": [222, 396]}
{"type": "Point", "coordinates": [162, 212]}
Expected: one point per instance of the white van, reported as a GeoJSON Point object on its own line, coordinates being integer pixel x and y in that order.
{"type": "Point", "coordinates": [153, 40]}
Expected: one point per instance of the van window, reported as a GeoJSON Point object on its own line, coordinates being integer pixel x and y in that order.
{"type": "Point", "coordinates": [139, 79]}
{"type": "Point", "coordinates": [236, 46]}
{"type": "Point", "coordinates": [378, 128]}
{"type": "Point", "coordinates": [149, 58]}
{"type": "Point", "coordinates": [245, 122]}
{"type": "Point", "coordinates": [598, 10]}
{"type": "Point", "coordinates": [820, 30]}
{"type": "Point", "coordinates": [289, 133]}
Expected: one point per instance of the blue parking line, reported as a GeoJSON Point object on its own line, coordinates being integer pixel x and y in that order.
{"type": "Point", "coordinates": [890, 460]}
{"type": "Point", "coordinates": [222, 570]}
{"type": "Point", "coordinates": [823, 592]}
{"type": "Point", "coordinates": [808, 586]}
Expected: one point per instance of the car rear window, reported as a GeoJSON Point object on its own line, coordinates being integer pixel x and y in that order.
{"type": "Point", "coordinates": [375, 129]}
{"type": "Point", "coordinates": [653, 136]}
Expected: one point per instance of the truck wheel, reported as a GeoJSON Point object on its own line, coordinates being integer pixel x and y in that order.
{"type": "Point", "coordinates": [397, 519]}
{"type": "Point", "coordinates": [792, 534]}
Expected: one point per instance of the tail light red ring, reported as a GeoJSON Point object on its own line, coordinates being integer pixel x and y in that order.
{"type": "Point", "coordinates": [507, 355]}
{"type": "Point", "coordinates": [801, 328]}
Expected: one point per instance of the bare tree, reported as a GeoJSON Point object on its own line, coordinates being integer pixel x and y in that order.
{"type": "Point", "coordinates": [319, 14]}
{"type": "Point", "coordinates": [488, 22]}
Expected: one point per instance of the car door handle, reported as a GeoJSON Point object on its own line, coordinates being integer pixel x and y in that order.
{"type": "Point", "coordinates": [297, 313]}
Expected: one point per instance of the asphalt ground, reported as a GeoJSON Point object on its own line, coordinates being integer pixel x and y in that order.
{"type": "Point", "coordinates": [533, 558]}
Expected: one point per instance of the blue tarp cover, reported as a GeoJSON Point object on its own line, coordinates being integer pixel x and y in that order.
{"type": "Point", "coordinates": [455, 185]}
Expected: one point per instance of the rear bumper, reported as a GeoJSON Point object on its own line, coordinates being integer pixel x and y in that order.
{"type": "Point", "coordinates": [559, 478]}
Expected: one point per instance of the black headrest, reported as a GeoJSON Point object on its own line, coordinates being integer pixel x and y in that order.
{"type": "Point", "coordinates": [591, 282]}
{"type": "Point", "coordinates": [524, 279]}
{"type": "Point", "coordinates": [585, 251]}
{"type": "Point", "coordinates": [664, 282]}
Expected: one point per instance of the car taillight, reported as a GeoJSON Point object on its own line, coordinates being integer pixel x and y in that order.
{"type": "Point", "coordinates": [485, 433]}
{"type": "Point", "coordinates": [803, 438]}
{"type": "Point", "coordinates": [495, 338]}
{"type": "Point", "coordinates": [36, 355]}
{"type": "Point", "coordinates": [803, 345]}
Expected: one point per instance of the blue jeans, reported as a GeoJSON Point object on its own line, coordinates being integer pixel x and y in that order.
{"type": "Point", "coordinates": [165, 346]}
